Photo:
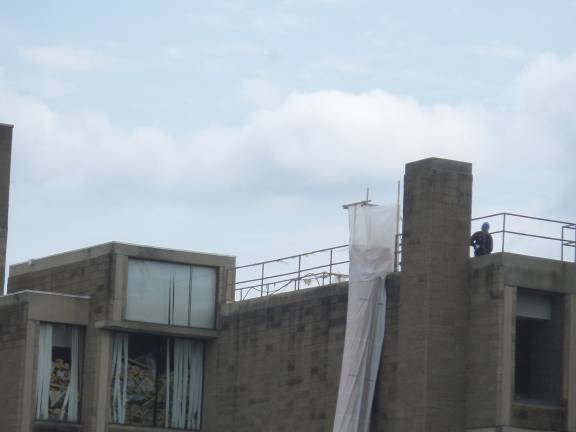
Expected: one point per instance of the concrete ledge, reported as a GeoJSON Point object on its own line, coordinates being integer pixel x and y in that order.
{"type": "Point", "coordinates": [165, 330]}
{"type": "Point", "coordinates": [126, 428]}
{"type": "Point", "coordinates": [56, 426]}
{"type": "Point", "coordinates": [505, 429]}
{"type": "Point", "coordinates": [52, 307]}
{"type": "Point", "coordinates": [531, 272]}
{"type": "Point", "coordinates": [136, 251]}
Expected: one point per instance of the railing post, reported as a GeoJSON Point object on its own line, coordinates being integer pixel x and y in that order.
{"type": "Point", "coordinates": [330, 271]}
{"type": "Point", "coordinates": [262, 281]}
{"type": "Point", "coordinates": [503, 231]}
{"type": "Point", "coordinates": [562, 244]}
{"type": "Point", "coordinates": [299, 266]}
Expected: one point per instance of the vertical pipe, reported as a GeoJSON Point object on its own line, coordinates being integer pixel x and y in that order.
{"type": "Point", "coordinates": [503, 231]}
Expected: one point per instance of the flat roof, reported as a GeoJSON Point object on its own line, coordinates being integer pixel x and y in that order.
{"type": "Point", "coordinates": [127, 249]}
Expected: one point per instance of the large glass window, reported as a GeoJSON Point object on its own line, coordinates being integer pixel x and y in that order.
{"type": "Point", "coordinates": [539, 347]}
{"type": "Point", "coordinates": [59, 376]}
{"type": "Point", "coordinates": [157, 381]}
{"type": "Point", "coordinates": [168, 293]}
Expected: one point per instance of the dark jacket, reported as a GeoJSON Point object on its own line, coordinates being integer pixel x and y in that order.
{"type": "Point", "coordinates": [481, 241]}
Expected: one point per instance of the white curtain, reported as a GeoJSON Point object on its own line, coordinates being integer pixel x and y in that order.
{"type": "Point", "coordinates": [69, 410]}
{"type": "Point", "coordinates": [196, 383]}
{"type": "Point", "coordinates": [184, 396]}
{"type": "Point", "coordinates": [119, 377]}
{"type": "Point", "coordinates": [44, 370]}
{"type": "Point", "coordinates": [372, 239]}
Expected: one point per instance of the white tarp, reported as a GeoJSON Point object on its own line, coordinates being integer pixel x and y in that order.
{"type": "Point", "coordinates": [372, 239]}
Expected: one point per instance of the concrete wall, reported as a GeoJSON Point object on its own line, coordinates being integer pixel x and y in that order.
{"type": "Point", "coordinates": [5, 155]}
{"type": "Point", "coordinates": [98, 272]}
{"type": "Point", "coordinates": [495, 280]}
{"type": "Point", "coordinates": [489, 348]}
{"type": "Point", "coordinates": [13, 323]}
{"type": "Point", "coordinates": [276, 364]}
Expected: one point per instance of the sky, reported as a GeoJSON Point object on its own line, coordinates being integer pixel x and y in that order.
{"type": "Point", "coordinates": [241, 127]}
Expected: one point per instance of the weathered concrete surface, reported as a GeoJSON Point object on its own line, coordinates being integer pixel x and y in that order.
{"type": "Point", "coordinates": [433, 311]}
{"type": "Point", "coordinates": [531, 272]}
{"type": "Point", "coordinates": [5, 156]}
{"type": "Point", "coordinates": [13, 320]}
{"type": "Point", "coordinates": [99, 274]}
{"type": "Point", "coordinates": [276, 365]}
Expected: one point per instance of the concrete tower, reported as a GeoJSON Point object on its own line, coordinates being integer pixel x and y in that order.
{"type": "Point", "coordinates": [433, 307]}
{"type": "Point", "coordinates": [5, 153]}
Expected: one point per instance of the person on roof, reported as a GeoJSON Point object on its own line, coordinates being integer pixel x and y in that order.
{"type": "Point", "coordinates": [481, 241]}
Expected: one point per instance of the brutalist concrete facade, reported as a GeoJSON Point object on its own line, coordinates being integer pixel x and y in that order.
{"type": "Point", "coordinates": [272, 363]}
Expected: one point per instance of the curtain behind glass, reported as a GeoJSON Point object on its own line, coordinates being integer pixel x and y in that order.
{"type": "Point", "coordinates": [184, 394]}
{"type": "Point", "coordinates": [69, 410]}
{"type": "Point", "coordinates": [172, 294]}
{"type": "Point", "coordinates": [203, 297]}
{"type": "Point", "coordinates": [119, 377]}
{"type": "Point", "coordinates": [44, 371]}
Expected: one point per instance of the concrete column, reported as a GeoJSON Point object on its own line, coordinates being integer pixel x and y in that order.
{"type": "Point", "coordinates": [5, 154]}
{"type": "Point", "coordinates": [570, 362]}
{"type": "Point", "coordinates": [433, 308]}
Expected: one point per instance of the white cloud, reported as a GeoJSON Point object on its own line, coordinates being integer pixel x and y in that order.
{"type": "Point", "coordinates": [330, 137]}
{"type": "Point", "coordinates": [299, 144]}
{"type": "Point", "coordinates": [64, 58]}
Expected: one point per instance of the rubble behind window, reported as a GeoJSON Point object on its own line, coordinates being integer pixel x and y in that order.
{"type": "Point", "coordinates": [59, 376]}
{"type": "Point", "coordinates": [157, 381]}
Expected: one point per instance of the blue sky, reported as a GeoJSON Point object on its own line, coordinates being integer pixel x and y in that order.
{"type": "Point", "coordinates": [240, 127]}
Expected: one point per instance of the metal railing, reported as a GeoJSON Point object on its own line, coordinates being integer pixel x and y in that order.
{"type": "Point", "coordinates": [529, 235]}
{"type": "Point", "coordinates": [316, 268]}
{"type": "Point", "coordinates": [327, 266]}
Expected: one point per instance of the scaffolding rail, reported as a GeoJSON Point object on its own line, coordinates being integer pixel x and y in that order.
{"type": "Point", "coordinates": [512, 232]}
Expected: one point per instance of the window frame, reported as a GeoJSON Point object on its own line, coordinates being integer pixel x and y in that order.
{"type": "Point", "coordinates": [161, 339]}
{"type": "Point", "coordinates": [81, 369]}
{"type": "Point", "coordinates": [125, 284]}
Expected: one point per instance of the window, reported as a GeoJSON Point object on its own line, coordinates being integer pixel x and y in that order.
{"type": "Point", "coordinates": [173, 294]}
{"type": "Point", "coordinates": [157, 381]}
{"type": "Point", "coordinates": [59, 376]}
{"type": "Point", "coordinates": [539, 347]}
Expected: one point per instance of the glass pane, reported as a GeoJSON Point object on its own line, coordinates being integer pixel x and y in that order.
{"type": "Point", "coordinates": [65, 372]}
{"type": "Point", "coordinates": [148, 292]}
{"type": "Point", "coordinates": [533, 305]}
{"type": "Point", "coordinates": [203, 298]}
{"type": "Point", "coordinates": [143, 368]}
{"type": "Point", "coordinates": [181, 285]}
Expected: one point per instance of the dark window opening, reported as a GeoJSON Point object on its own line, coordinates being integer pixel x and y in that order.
{"type": "Point", "coordinates": [539, 347]}
{"type": "Point", "coordinates": [59, 372]}
{"type": "Point", "coordinates": [157, 381]}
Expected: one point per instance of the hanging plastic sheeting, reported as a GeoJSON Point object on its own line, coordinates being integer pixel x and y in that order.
{"type": "Point", "coordinates": [69, 410]}
{"type": "Point", "coordinates": [372, 239]}
{"type": "Point", "coordinates": [44, 371]}
{"type": "Point", "coordinates": [185, 394]}
{"type": "Point", "coordinates": [119, 377]}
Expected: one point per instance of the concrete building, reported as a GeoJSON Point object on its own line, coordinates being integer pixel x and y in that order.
{"type": "Point", "coordinates": [119, 338]}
